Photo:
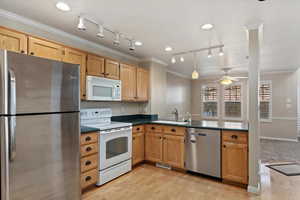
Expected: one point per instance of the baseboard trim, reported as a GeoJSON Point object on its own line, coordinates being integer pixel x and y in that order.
{"type": "Point", "coordinates": [279, 139]}
{"type": "Point", "coordinates": [254, 189]}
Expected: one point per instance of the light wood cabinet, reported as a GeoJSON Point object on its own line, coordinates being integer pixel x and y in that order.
{"type": "Point", "coordinates": [128, 78]}
{"type": "Point", "coordinates": [95, 66]}
{"type": "Point", "coordinates": [165, 146]}
{"type": "Point", "coordinates": [235, 157]}
{"type": "Point", "coordinates": [77, 57]}
{"type": "Point", "coordinates": [142, 84]}
{"type": "Point", "coordinates": [154, 147]}
{"type": "Point", "coordinates": [45, 49]}
{"type": "Point", "coordinates": [13, 41]}
{"type": "Point", "coordinates": [173, 150]}
{"type": "Point", "coordinates": [138, 147]}
{"type": "Point", "coordinates": [112, 69]}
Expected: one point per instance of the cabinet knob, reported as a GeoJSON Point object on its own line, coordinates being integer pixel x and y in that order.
{"type": "Point", "coordinates": [106, 74]}
{"type": "Point", "coordinates": [173, 130]}
{"type": "Point", "coordinates": [234, 137]}
{"type": "Point", "coordinates": [88, 149]}
{"type": "Point", "coordinates": [88, 178]}
{"type": "Point", "coordinates": [31, 53]}
{"type": "Point", "coordinates": [22, 51]}
{"type": "Point", "coordinates": [153, 128]}
{"type": "Point", "coordinates": [133, 138]}
{"type": "Point", "coordinates": [88, 139]}
{"type": "Point", "coordinates": [224, 146]}
{"type": "Point", "coordinates": [87, 163]}
{"type": "Point", "coordinates": [138, 129]}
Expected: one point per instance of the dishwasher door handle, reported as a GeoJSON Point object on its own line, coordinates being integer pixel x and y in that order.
{"type": "Point", "coordinates": [193, 141]}
{"type": "Point", "coordinates": [198, 134]}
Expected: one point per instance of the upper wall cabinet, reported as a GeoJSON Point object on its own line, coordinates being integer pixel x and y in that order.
{"type": "Point", "coordinates": [128, 78]}
{"type": "Point", "coordinates": [13, 41]}
{"type": "Point", "coordinates": [95, 66]}
{"type": "Point", "coordinates": [77, 57]}
{"type": "Point", "coordinates": [142, 84]}
{"type": "Point", "coordinates": [112, 69]}
{"type": "Point", "coordinates": [45, 49]}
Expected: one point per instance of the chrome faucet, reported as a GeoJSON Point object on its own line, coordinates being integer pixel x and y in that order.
{"type": "Point", "coordinates": [175, 112]}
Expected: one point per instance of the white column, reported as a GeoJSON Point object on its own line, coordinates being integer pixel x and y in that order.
{"type": "Point", "coordinates": [254, 39]}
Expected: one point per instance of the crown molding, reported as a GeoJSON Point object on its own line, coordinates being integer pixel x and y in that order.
{"type": "Point", "coordinates": [24, 20]}
{"type": "Point", "coordinates": [155, 60]}
{"type": "Point", "coordinates": [179, 74]}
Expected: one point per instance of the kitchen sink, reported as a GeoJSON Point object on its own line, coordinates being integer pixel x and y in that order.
{"type": "Point", "coordinates": [171, 122]}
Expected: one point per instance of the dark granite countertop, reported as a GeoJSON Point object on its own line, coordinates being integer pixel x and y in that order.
{"type": "Point", "coordinates": [207, 124]}
{"type": "Point", "coordinates": [86, 129]}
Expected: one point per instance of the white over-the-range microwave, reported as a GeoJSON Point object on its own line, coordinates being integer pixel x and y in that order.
{"type": "Point", "coordinates": [102, 89]}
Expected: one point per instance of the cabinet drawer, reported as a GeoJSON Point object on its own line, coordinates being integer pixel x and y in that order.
{"type": "Point", "coordinates": [235, 136]}
{"type": "Point", "coordinates": [174, 130]}
{"type": "Point", "coordinates": [89, 178]}
{"type": "Point", "coordinates": [89, 138]}
{"type": "Point", "coordinates": [89, 149]}
{"type": "Point", "coordinates": [154, 128]}
{"type": "Point", "coordinates": [137, 129]}
{"type": "Point", "coordinates": [89, 162]}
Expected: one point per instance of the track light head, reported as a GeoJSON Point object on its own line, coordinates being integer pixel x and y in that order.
{"type": "Point", "coordinates": [116, 41]}
{"type": "Point", "coordinates": [181, 59]}
{"type": "Point", "coordinates": [81, 25]}
{"type": "Point", "coordinates": [173, 60]}
{"type": "Point", "coordinates": [100, 33]}
{"type": "Point", "coordinates": [131, 45]}
{"type": "Point", "coordinates": [209, 53]}
{"type": "Point", "coordinates": [221, 52]}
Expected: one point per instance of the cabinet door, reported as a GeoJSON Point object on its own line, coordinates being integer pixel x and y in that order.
{"type": "Point", "coordinates": [77, 57]}
{"type": "Point", "coordinates": [95, 66]}
{"type": "Point", "coordinates": [235, 162]}
{"type": "Point", "coordinates": [112, 69]}
{"type": "Point", "coordinates": [45, 49]}
{"type": "Point", "coordinates": [142, 84]}
{"type": "Point", "coordinates": [13, 41]}
{"type": "Point", "coordinates": [128, 78]}
{"type": "Point", "coordinates": [138, 147]}
{"type": "Point", "coordinates": [154, 147]}
{"type": "Point", "coordinates": [173, 147]}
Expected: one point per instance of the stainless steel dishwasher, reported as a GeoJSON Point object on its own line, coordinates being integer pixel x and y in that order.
{"type": "Point", "coordinates": [203, 151]}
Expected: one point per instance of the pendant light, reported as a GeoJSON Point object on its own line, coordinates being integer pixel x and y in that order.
{"type": "Point", "coordinates": [81, 25]}
{"type": "Point", "coordinates": [195, 74]}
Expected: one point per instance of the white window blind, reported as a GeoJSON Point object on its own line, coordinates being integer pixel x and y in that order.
{"type": "Point", "coordinates": [265, 97]}
{"type": "Point", "coordinates": [210, 101]}
{"type": "Point", "coordinates": [233, 101]}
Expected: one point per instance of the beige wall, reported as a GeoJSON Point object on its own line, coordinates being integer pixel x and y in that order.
{"type": "Point", "coordinates": [179, 93]}
{"type": "Point", "coordinates": [284, 104]}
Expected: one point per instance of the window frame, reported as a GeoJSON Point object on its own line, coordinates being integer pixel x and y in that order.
{"type": "Point", "coordinates": [270, 103]}
{"type": "Point", "coordinates": [242, 103]}
{"type": "Point", "coordinates": [217, 100]}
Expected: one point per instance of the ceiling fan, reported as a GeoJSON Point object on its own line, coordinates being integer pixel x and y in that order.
{"type": "Point", "coordinates": [226, 79]}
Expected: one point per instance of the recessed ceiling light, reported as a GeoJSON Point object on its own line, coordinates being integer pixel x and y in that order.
{"type": "Point", "coordinates": [138, 43]}
{"type": "Point", "coordinates": [63, 6]}
{"type": "Point", "coordinates": [168, 48]}
{"type": "Point", "coordinates": [207, 27]}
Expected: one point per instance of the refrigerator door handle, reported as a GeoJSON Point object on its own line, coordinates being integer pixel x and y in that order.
{"type": "Point", "coordinates": [12, 138]}
{"type": "Point", "coordinates": [12, 92]}
{"type": "Point", "coordinates": [4, 131]}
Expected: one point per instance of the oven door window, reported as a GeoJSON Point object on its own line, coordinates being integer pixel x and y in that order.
{"type": "Point", "coordinates": [102, 91]}
{"type": "Point", "coordinates": [116, 146]}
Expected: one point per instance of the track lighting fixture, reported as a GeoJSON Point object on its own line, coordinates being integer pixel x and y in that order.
{"type": "Point", "coordinates": [195, 75]}
{"type": "Point", "coordinates": [173, 60]}
{"type": "Point", "coordinates": [209, 53]}
{"type": "Point", "coordinates": [100, 33]}
{"type": "Point", "coordinates": [81, 25]}
{"type": "Point", "coordinates": [181, 59]}
{"type": "Point", "coordinates": [117, 39]}
{"type": "Point", "coordinates": [221, 52]}
{"type": "Point", "coordinates": [131, 45]}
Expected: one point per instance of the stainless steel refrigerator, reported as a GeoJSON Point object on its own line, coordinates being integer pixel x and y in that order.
{"type": "Point", "coordinates": [39, 107]}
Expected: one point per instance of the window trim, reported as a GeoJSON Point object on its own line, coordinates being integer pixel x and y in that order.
{"type": "Point", "coordinates": [271, 101]}
{"type": "Point", "coordinates": [242, 103]}
{"type": "Point", "coordinates": [218, 101]}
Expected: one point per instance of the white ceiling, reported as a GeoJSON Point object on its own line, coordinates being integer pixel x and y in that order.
{"type": "Point", "coordinates": [158, 23]}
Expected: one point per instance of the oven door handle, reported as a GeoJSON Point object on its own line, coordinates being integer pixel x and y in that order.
{"type": "Point", "coordinates": [116, 130]}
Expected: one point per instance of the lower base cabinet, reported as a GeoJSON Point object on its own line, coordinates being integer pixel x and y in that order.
{"type": "Point", "coordinates": [235, 157]}
{"type": "Point", "coordinates": [165, 146]}
{"type": "Point", "coordinates": [138, 147]}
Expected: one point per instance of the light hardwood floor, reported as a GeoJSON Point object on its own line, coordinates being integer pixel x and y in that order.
{"type": "Point", "coordinates": [147, 182]}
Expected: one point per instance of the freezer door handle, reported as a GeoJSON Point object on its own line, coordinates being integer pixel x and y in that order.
{"type": "Point", "coordinates": [12, 138]}
{"type": "Point", "coordinates": [12, 92]}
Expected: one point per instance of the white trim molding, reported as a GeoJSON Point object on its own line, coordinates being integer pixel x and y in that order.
{"type": "Point", "coordinates": [254, 189]}
{"type": "Point", "coordinates": [155, 60]}
{"type": "Point", "coordinates": [278, 139]}
{"type": "Point", "coordinates": [49, 29]}
{"type": "Point", "coordinates": [179, 74]}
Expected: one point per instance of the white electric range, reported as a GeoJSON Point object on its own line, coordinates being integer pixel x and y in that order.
{"type": "Point", "coordinates": [115, 143]}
